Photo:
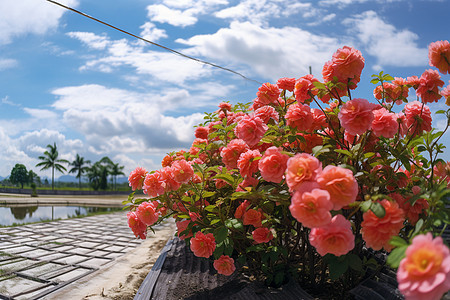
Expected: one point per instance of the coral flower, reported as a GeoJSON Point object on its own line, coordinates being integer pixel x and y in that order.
{"type": "Point", "coordinates": [224, 265]}
{"type": "Point", "coordinates": [425, 271]}
{"type": "Point", "coordinates": [201, 132]}
{"type": "Point", "coordinates": [356, 116]}
{"type": "Point", "coordinates": [230, 154]}
{"type": "Point", "coordinates": [252, 217]}
{"type": "Point", "coordinates": [139, 229]}
{"type": "Point", "coordinates": [429, 84]}
{"type": "Point", "coordinates": [268, 94]}
{"type": "Point", "coordinates": [341, 185]}
{"type": "Point", "coordinates": [445, 92]}
{"type": "Point", "coordinates": [240, 210]}
{"type": "Point", "coordinates": [154, 184]}
{"type": "Point", "coordinates": [182, 171]}
{"type": "Point", "coordinates": [203, 245]}
{"type": "Point", "coordinates": [136, 178]}
{"type": "Point", "coordinates": [182, 226]}
{"type": "Point", "coordinates": [273, 165]}
{"type": "Point", "coordinates": [267, 113]}
{"type": "Point", "coordinates": [336, 238]}
{"type": "Point", "coordinates": [346, 63]}
{"type": "Point", "coordinates": [303, 86]}
{"type": "Point", "coordinates": [377, 232]}
{"type": "Point", "coordinates": [248, 162]}
{"type": "Point", "coordinates": [167, 176]}
{"type": "Point", "coordinates": [311, 206]}
{"type": "Point", "coordinates": [262, 235]}
{"type": "Point", "coordinates": [439, 56]}
{"type": "Point", "coordinates": [250, 129]}
{"type": "Point", "coordinates": [299, 116]}
{"type": "Point", "coordinates": [301, 168]}
{"type": "Point", "coordinates": [147, 213]}
{"type": "Point", "coordinates": [286, 84]}
{"type": "Point", "coordinates": [418, 117]}
{"type": "Point", "coordinates": [384, 123]}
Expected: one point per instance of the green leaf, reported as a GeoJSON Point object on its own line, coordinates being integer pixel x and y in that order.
{"type": "Point", "coordinates": [418, 227]}
{"type": "Point", "coordinates": [354, 262]}
{"type": "Point", "coordinates": [365, 206]}
{"type": "Point", "coordinates": [369, 154]}
{"type": "Point", "coordinates": [220, 234]}
{"type": "Point", "coordinates": [207, 194]}
{"type": "Point", "coordinates": [226, 177]}
{"type": "Point", "coordinates": [441, 112]}
{"type": "Point", "coordinates": [234, 223]}
{"type": "Point", "coordinates": [375, 80]}
{"type": "Point", "coordinates": [319, 85]}
{"type": "Point", "coordinates": [343, 151]}
{"type": "Point", "coordinates": [211, 208]}
{"type": "Point", "coordinates": [397, 241]}
{"type": "Point", "coordinates": [378, 210]}
{"type": "Point", "coordinates": [337, 268]}
{"type": "Point", "coordinates": [405, 161]}
{"type": "Point", "coordinates": [396, 256]}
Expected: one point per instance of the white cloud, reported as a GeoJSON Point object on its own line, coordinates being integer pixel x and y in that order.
{"type": "Point", "coordinates": [151, 33]}
{"type": "Point", "coordinates": [163, 14]}
{"type": "Point", "coordinates": [389, 45]}
{"type": "Point", "coordinates": [5, 100]}
{"type": "Point", "coordinates": [7, 63]}
{"type": "Point", "coordinates": [261, 11]}
{"type": "Point", "coordinates": [40, 113]}
{"type": "Point", "coordinates": [28, 16]}
{"type": "Point", "coordinates": [11, 154]}
{"type": "Point", "coordinates": [270, 52]}
{"type": "Point", "coordinates": [162, 66]}
{"type": "Point", "coordinates": [114, 120]}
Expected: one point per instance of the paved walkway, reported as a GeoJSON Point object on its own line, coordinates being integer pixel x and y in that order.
{"type": "Point", "coordinates": [37, 259]}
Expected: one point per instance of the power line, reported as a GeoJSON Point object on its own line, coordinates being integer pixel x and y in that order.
{"type": "Point", "coordinates": [153, 43]}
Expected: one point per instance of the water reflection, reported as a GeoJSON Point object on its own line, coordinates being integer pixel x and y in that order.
{"type": "Point", "coordinates": [10, 215]}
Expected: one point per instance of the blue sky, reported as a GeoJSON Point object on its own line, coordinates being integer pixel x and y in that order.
{"type": "Point", "coordinates": [95, 91]}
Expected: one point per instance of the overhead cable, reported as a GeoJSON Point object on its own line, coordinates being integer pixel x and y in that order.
{"type": "Point", "coordinates": [153, 43]}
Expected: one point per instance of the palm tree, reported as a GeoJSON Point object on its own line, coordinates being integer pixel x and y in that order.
{"type": "Point", "coordinates": [79, 167]}
{"type": "Point", "coordinates": [50, 160]}
{"type": "Point", "coordinates": [98, 176]}
{"type": "Point", "coordinates": [116, 170]}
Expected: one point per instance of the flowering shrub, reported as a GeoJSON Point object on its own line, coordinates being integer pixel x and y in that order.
{"type": "Point", "coordinates": [307, 182]}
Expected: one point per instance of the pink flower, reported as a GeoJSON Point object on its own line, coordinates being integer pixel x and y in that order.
{"type": "Point", "coordinates": [384, 123]}
{"type": "Point", "coordinates": [262, 235]}
{"type": "Point", "coordinates": [230, 154]}
{"type": "Point", "coordinates": [319, 119]}
{"type": "Point", "coordinates": [241, 209]}
{"type": "Point", "coordinates": [147, 213]}
{"type": "Point", "coordinates": [445, 92]}
{"type": "Point", "coordinates": [336, 238]}
{"type": "Point", "coordinates": [286, 84]}
{"type": "Point", "coordinates": [250, 129]}
{"type": "Point", "coordinates": [136, 178]}
{"type": "Point", "coordinates": [267, 113]}
{"type": "Point", "coordinates": [439, 56]}
{"type": "Point", "coordinates": [347, 63]}
{"type": "Point", "coordinates": [182, 171]}
{"type": "Point", "coordinates": [224, 265]}
{"type": "Point", "coordinates": [167, 176]}
{"type": "Point", "coordinates": [273, 165]}
{"type": "Point", "coordinates": [139, 229]}
{"type": "Point", "coordinates": [341, 185]}
{"type": "Point", "coordinates": [183, 226]}
{"type": "Point", "coordinates": [201, 132]}
{"type": "Point", "coordinates": [247, 182]}
{"type": "Point", "coordinates": [377, 232]}
{"type": "Point", "coordinates": [248, 162]}
{"type": "Point", "coordinates": [299, 116]}
{"type": "Point", "coordinates": [268, 93]}
{"type": "Point", "coordinates": [252, 217]}
{"type": "Point", "coordinates": [224, 106]}
{"type": "Point", "coordinates": [429, 84]}
{"type": "Point", "coordinates": [418, 117]}
{"type": "Point", "coordinates": [203, 245]}
{"type": "Point", "coordinates": [425, 271]}
{"type": "Point", "coordinates": [311, 206]}
{"type": "Point", "coordinates": [303, 86]}
{"type": "Point", "coordinates": [300, 168]}
{"type": "Point", "coordinates": [356, 116]}
{"type": "Point", "coordinates": [154, 184]}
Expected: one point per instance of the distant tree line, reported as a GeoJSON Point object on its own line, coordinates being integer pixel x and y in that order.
{"type": "Point", "coordinates": [96, 173]}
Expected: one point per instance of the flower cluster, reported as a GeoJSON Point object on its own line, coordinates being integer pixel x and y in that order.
{"type": "Point", "coordinates": [306, 179]}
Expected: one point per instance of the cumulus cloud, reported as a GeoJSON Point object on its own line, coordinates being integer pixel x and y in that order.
{"type": "Point", "coordinates": [290, 51]}
{"type": "Point", "coordinates": [389, 45]}
{"type": "Point", "coordinates": [151, 33]}
{"type": "Point", "coordinates": [7, 63]}
{"type": "Point", "coordinates": [28, 16]}
{"type": "Point", "coordinates": [11, 154]}
{"type": "Point", "coordinates": [114, 120]}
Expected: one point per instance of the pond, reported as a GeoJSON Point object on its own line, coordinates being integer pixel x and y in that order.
{"type": "Point", "coordinates": [19, 214]}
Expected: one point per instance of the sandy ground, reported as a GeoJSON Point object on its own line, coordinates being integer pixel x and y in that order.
{"type": "Point", "coordinates": [123, 277]}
